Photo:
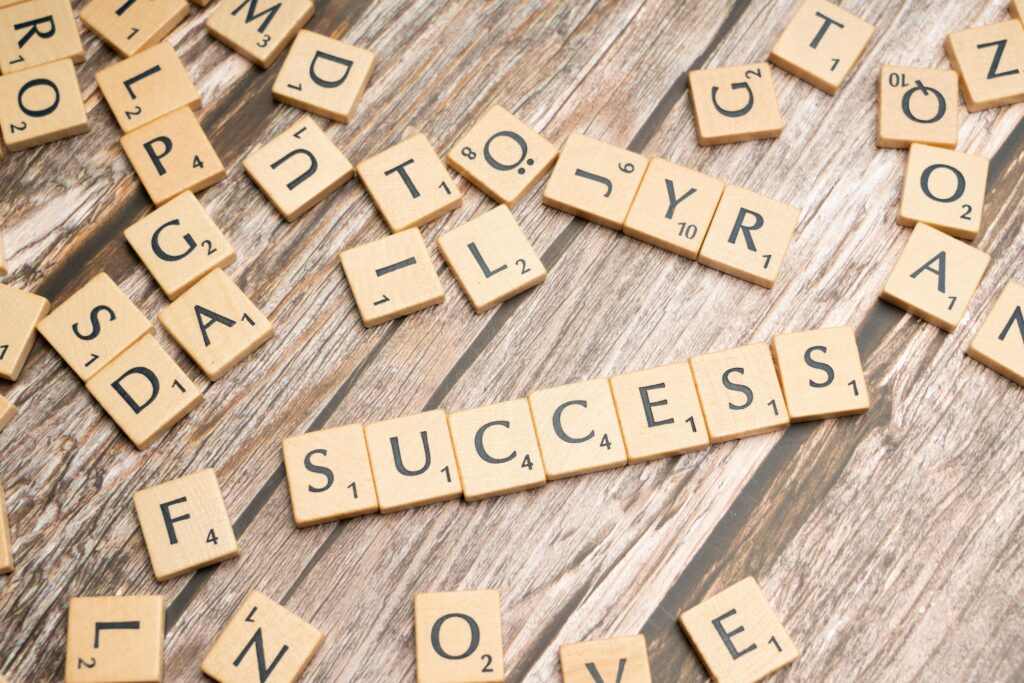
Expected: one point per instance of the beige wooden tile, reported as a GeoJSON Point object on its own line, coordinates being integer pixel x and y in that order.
{"type": "Point", "coordinates": [749, 236]}
{"type": "Point", "coordinates": [659, 412]}
{"type": "Point", "coordinates": [146, 86]}
{"type": "Point", "coordinates": [409, 184]}
{"type": "Point", "coordinates": [738, 636]}
{"type": "Point", "coordinates": [990, 61]}
{"type": "Point", "coordinates": [595, 180]}
{"type": "Point", "coordinates": [1017, 8]}
{"type": "Point", "coordinates": [935, 277]}
{"type": "Point", "coordinates": [413, 461]}
{"type": "Point", "coordinates": [999, 342]}
{"type": "Point", "coordinates": [739, 392]}
{"type": "Point", "coordinates": [821, 373]}
{"type": "Point", "coordinates": [20, 311]}
{"type": "Point", "coordinates": [258, 32]}
{"type": "Point", "coordinates": [185, 524]}
{"type": "Point", "coordinates": [391, 277]}
{"type": "Point", "coordinates": [735, 104]}
{"type": "Point", "coordinates": [945, 189]}
{"type": "Point", "coordinates": [491, 258]}
{"type": "Point", "coordinates": [201, 3]}
{"type": "Point", "coordinates": [179, 243]}
{"type": "Point", "coordinates": [129, 26]}
{"type": "Point", "coordinates": [7, 412]}
{"type": "Point", "coordinates": [459, 637]}
{"type": "Point", "coordinates": [263, 641]}
{"type": "Point", "coordinates": [329, 476]}
{"type": "Point", "coordinates": [502, 156]}
{"type": "Point", "coordinates": [298, 168]}
{"type": "Point", "coordinates": [324, 76]}
{"type": "Point", "coordinates": [496, 449]}
{"type": "Point", "coordinates": [144, 391]}
{"type": "Point", "coordinates": [38, 32]}
{"type": "Point", "coordinates": [172, 155]}
{"type": "Point", "coordinates": [577, 428]}
{"type": "Point", "coordinates": [92, 326]}
{"type": "Point", "coordinates": [918, 105]}
{"type": "Point", "coordinates": [115, 639]}
{"type": "Point", "coordinates": [6, 547]}
{"type": "Point", "coordinates": [41, 105]}
{"type": "Point", "coordinates": [622, 659]}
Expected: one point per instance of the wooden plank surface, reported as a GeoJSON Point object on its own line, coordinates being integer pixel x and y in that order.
{"type": "Point", "coordinates": [890, 544]}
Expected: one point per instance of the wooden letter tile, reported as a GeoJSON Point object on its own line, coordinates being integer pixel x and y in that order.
{"type": "Point", "coordinates": [821, 373]}
{"type": "Point", "coordinates": [1017, 9]}
{"type": "Point", "coordinates": [918, 105]}
{"type": "Point", "coordinates": [990, 60]}
{"type": "Point", "coordinates": [38, 32]}
{"type": "Point", "coordinates": [622, 659]}
{"type": "Point", "coordinates": [6, 547]}
{"type": "Point", "coordinates": [735, 104]}
{"type": "Point", "coordinates": [945, 189]}
{"type": "Point", "coordinates": [40, 105]}
{"type": "Point", "coordinates": [115, 639]}
{"type": "Point", "coordinates": [999, 343]}
{"type": "Point", "coordinates": [259, 30]}
{"type": "Point", "coordinates": [7, 412]}
{"type": "Point", "coordinates": [458, 637]}
{"type": "Point", "coordinates": [132, 25]}
{"type": "Point", "coordinates": [20, 311]}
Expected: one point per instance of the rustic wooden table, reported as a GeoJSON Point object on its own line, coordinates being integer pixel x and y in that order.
{"type": "Point", "coordinates": [890, 544]}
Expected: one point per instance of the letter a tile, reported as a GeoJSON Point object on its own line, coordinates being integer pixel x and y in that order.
{"type": "Point", "coordinates": [990, 60]}
{"type": "Point", "coordinates": [735, 104]}
{"type": "Point", "coordinates": [115, 639]}
{"type": "Point", "coordinates": [259, 30]}
{"type": "Point", "coordinates": [999, 343]}
{"type": "Point", "coordinates": [146, 86]}
{"type": "Point", "coordinates": [945, 189]}
{"type": "Point", "coordinates": [130, 26]}
{"type": "Point", "coordinates": [20, 311]}
{"type": "Point", "coordinates": [622, 659]}
{"type": "Point", "coordinates": [918, 105]}
{"type": "Point", "coordinates": [38, 32]}
{"type": "Point", "coordinates": [41, 105]}
{"type": "Point", "coordinates": [821, 373]}
{"type": "Point", "coordinates": [459, 637]}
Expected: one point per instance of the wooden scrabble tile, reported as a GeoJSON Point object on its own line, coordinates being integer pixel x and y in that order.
{"type": "Point", "coordinates": [735, 104]}
{"type": "Point", "coordinates": [179, 243]}
{"type": "Point", "coordinates": [673, 208]}
{"type": "Point", "coordinates": [749, 236]}
{"type": "Point", "coordinates": [413, 461]}
{"type": "Point", "coordinates": [739, 392]}
{"type": "Point", "coordinates": [185, 524]}
{"type": "Point", "coordinates": [129, 26]}
{"type": "Point", "coordinates": [502, 156]}
{"type": "Point", "coordinates": [409, 184]}
{"type": "Point", "coordinates": [491, 258]}
{"type": "Point", "coordinates": [329, 475]}
{"type": "Point", "coordinates": [459, 637]}
{"type": "Point", "coordinates": [21, 311]}
{"type": "Point", "coordinates": [38, 32]}
{"type": "Point", "coordinates": [990, 61]}
{"type": "Point", "coordinates": [216, 324]}
{"type": "Point", "coordinates": [577, 428]}
{"type": "Point", "coordinates": [496, 449]}
{"type": "Point", "coordinates": [7, 412]}
{"type": "Point", "coordinates": [115, 639]}
{"type": "Point", "coordinates": [659, 412]}
{"type": "Point", "coordinates": [918, 105]}
{"type": "Point", "coordinates": [945, 189]}
{"type": "Point", "coordinates": [324, 76]}
{"type": "Point", "coordinates": [1017, 8]}
{"type": "Point", "coordinates": [298, 168]}
{"type": "Point", "coordinates": [258, 31]}
{"type": "Point", "coordinates": [595, 180]}
{"type": "Point", "coordinates": [821, 373]}
{"type": "Point", "coordinates": [999, 343]}
{"type": "Point", "coordinates": [144, 391]}
{"type": "Point", "coordinates": [263, 641]}
{"type": "Point", "coordinates": [172, 155]}
{"type": "Point", "coordinates": [391, 277]}
{"type": "Point", "coordinates": [622, 659]}
{"type": "Point", "coordinates": [146, 86]}
{"type": "Point", "coordinates": [935, 277]}
{"type": "Point", "coordinates": [6, 547]}
{"type": "Point", "coordinates": [41, 105]}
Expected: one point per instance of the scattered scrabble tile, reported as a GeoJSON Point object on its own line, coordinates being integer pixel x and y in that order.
{"type": "Point", "coordinates": [258, 33]}
{"type": "Point", "coordinates": [659, 412]}
{"type": "Point", "coordinates": [324, 76]}
{"type": "Point", "coordinates": [298, 168]}
{"type": "Point", "coordinates": [38, 32]}
{"type": "Point", "coordinates": [999, 343]}
{"type": "Point", "coordinates": [622, 659]}
{"type": "Point", "coordinates": [491, 258]}
{"type": "Point", "coordinates": [263, 641]}
{"type": "Point", "coordinates": [935, 277]}
{"type": "Point", "coordinates": [918, 105]}
{"type": "Point", "coordinates": [185, 524]}
{"type": "Point", "coordinates": [749, 236]}
{"type": "Point", "coordinates": [458, 637]}
{"type": "Point", "coordinates": [6, 548]}
{"type": "Point", "coordinates": [577, 428]}
{"type": "Point", "coordinates": [735, 104]}
{"type": "Point", "coordinates": [21, 311]}
{"type": "Point", "coordinates": [595, 180]}
{"type": "Point", "coordinates": [739, 392]}
{"type": "Point", "coordinates": [130, 26]}
{"type": "Point", "coordinates": [409, 184]}
{"type": "Point", "coordinates": [738, 636]}
{"type": "Point", "coordinates": [502, 156]}
{"type": "Point", "coordinates": [144, 391]}
{"type": "Point", "coordinates": [945, 189]}
{"type": "Point", "coordinates": [179, 243]}
{"type": "Point", "coordinates": [821, 373]}
{"type": "Point", "coordinates": [391, 277]}
{"type": "Point", "coordinates": [329, 475]}
{"type": "Point", "coordinates": [1017, 8]}
{"type": "Point", "coordinates": [497, 450]}
{"type": "Point", "coordinates": [115, 638]}
{"type": "Point", "coordinates": [41, 105]}
{"type": "Point", "coordinates": [146, 86]}
{"type": "Point", "coordinates": [413, 461]}
{"type": "Point", "coordinates": [990, 61]}
{"type": "Point", "coordinates": [7, 412]}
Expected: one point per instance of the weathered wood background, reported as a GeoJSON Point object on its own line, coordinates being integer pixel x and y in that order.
{"type": "Point", "coordinates": [890, 544]}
